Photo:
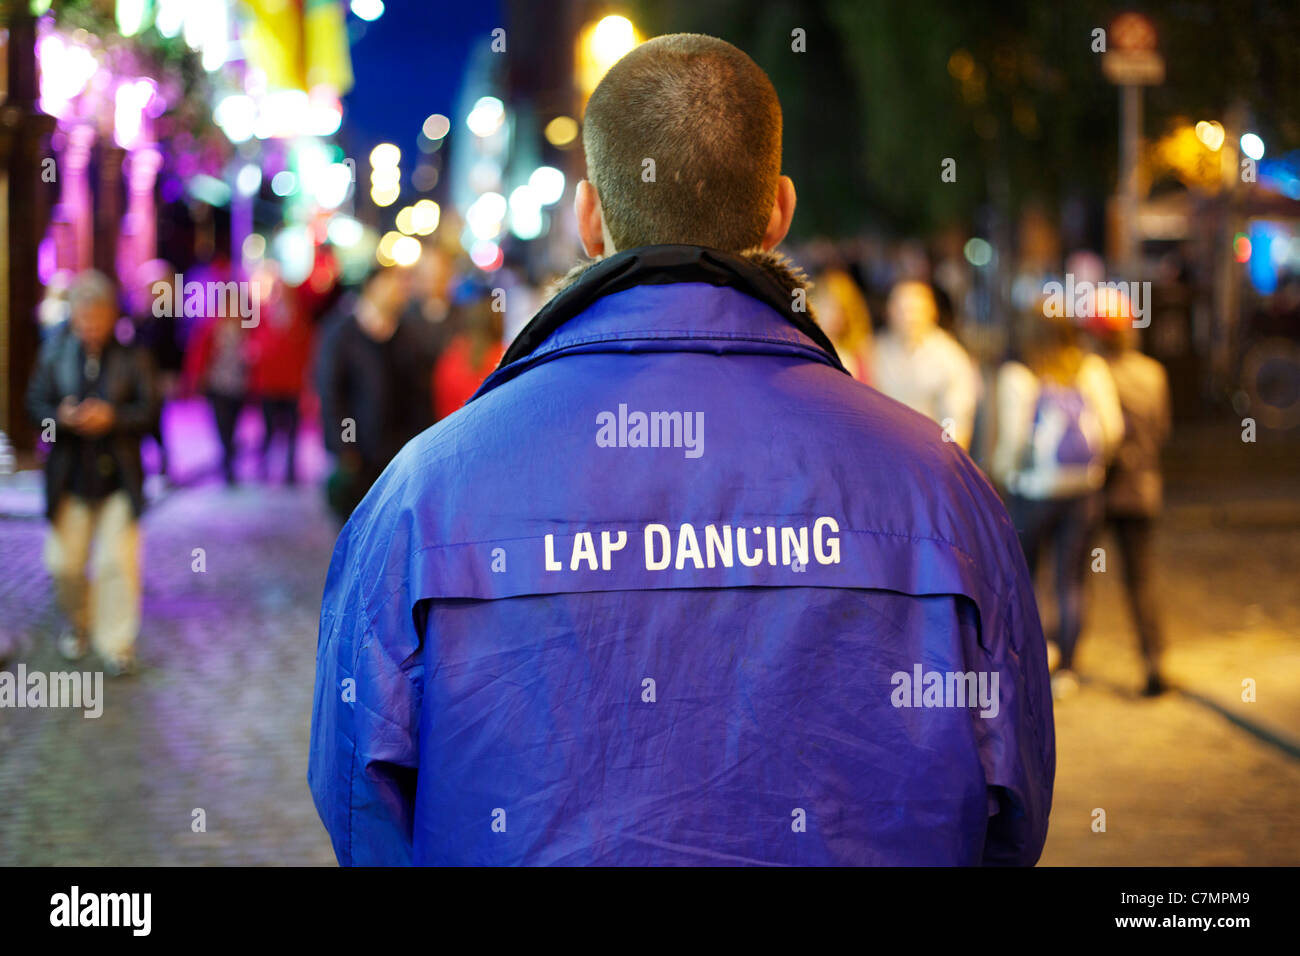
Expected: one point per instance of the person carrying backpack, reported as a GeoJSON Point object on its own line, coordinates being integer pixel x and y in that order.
{"type": "Point", "coordinates": [1059, 423]}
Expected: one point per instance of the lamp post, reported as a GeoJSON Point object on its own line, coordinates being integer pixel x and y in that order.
{"type": "Point", "coordinates": [1131, 63]}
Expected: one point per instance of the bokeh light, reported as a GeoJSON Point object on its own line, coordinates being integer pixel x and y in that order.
{"type": "Point", "coordinates": [368, 10]}
{"type": "Point", "coordinates": [384, 155]}
{"type": "Point", "coordinates": [547, 184]}
{"type": "Point", "coordinates": [406, 251]}
{"type": "Point", "coordinates": [1210, 133]}
{"type": "Point", "coordinates": [486, 117]}
{"type": "Point", "coordinates": [978, 252]}
{"type": "Point", "coordinates": [436, 126]}
{"type": "Point", "coordinates": [424, 216]}
{"type": "Point", "coordinates": [561, 131]}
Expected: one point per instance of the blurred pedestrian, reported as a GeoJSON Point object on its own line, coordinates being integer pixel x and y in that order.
{"type": "Point", "coordinates": [1134, 485]}
{"type": "Point", "coordinates": [158, 332]}
{"type": "Point", "coordinates": [840, 308]}
{"type": "Point", "coordinates": [218, 364]}
{"type": "Point", "coordinates": [433, 293]}
{"type": "Point", "coordinates": [97, 397]}
{"type": "Point", "coordinates": [1058, 424]}
{"type": "Point", "coordinates": [281, 350]}
{"type": "Point", "coordinates": [471, 355]}
{"type": "Point", "coordinates": [924, 367]}
{"type": "Point", "coordinates": [373, 377]}
{"type": "Point", "coordinates": [53, 309]}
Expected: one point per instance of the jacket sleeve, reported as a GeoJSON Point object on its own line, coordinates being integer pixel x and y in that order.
{"type": "Point", "coordinates": [42, 391]}
{"type": "Point", "coordinates": [1018, 745]}
{"type": "Point", "coordinates": [365, 720]}
{"type": "Point", "coordinates": [139, 412]}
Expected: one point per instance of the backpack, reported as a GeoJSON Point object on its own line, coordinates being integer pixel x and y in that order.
{"type": "Point", "coordinates": [1065, 439]}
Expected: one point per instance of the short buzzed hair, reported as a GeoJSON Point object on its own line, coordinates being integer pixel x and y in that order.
{"type": "Point", "coordinates": [708, 117]}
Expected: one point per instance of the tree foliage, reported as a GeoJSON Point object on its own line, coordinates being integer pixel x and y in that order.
{"type": "Point", "coordinates": [1011, 90]}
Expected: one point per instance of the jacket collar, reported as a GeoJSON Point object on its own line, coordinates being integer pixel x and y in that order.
{"type": "Point", "coordinates": [767, 277]}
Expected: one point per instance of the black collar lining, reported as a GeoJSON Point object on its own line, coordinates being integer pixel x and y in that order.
{"type": "Point", "coordinates": [664, 265]}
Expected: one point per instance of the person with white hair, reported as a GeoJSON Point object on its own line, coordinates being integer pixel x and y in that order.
{"type": "Point", "coordinates": [93, 398]}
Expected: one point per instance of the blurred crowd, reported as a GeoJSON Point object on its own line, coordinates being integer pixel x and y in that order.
{"type": "Point", "coordinates": [1066, 417]}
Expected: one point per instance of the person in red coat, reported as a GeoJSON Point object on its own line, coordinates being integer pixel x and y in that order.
{"type": "Point", "coordinates": [281, 350]}
{"type": "Point", "coordinates": [468, 358]}
{"type": "Point", "coordinates": [217, 366]}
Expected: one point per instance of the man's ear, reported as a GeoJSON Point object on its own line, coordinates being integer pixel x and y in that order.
{"type": "Point", "coordinates": [778, 224]}
{"type": "Point", "coordinates": [591, 228]}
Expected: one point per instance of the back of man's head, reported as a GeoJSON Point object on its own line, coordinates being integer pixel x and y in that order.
{"type": "Point", "coordinates": [710, 120]}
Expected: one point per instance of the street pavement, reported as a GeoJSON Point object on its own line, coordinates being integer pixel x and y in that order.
{"type": "Point", "coordinates": [1199, 776]}
{"type": "Point", "coordinates": [217, 718]}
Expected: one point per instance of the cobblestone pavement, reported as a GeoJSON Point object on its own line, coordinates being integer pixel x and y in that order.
{"type": "Point", "coordinates": [218, 716]}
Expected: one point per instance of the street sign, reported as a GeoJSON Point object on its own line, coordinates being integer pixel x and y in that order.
{"type": "Point", "coordinates": [1132, 59]}
{"type": "Point", "coordinates": [1133, 67]}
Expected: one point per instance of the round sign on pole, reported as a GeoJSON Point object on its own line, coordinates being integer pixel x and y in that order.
{"type": "Point", "coordinates": [1132, 59]}
{"type": "Point", "coordinates": [1132, 31]}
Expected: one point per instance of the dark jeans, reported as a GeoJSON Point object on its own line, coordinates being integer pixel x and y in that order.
{"type": "Point", "coordinates": [1133, 534]}
{"type": "Point", "coordinates": [1065, 525]}
{"type": "Point", "coordinates": [156, 433]}
{"type": "Point", "coordinates": [226, 409]}
{"type": "Point", "coordinates": [281, 415]}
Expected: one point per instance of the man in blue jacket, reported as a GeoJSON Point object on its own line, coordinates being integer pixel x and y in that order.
{"type": "Point", "coordinates": [673, 588]}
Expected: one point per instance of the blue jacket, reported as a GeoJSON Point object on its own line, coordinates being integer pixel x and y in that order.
{"type": "Point", "coordinates": [673, 588]}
